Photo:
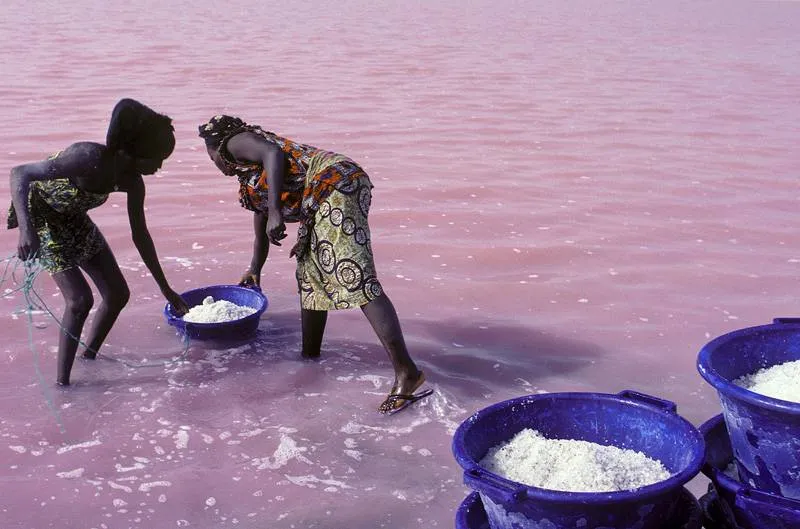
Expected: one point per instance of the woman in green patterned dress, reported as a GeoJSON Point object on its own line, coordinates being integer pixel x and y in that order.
{"type": "Point", "coordinates": [329, 195]}
{"type": "Point", "coordinates": [49, 204]}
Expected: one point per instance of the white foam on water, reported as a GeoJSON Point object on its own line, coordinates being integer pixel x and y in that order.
{"type": "Point", "coordinates": [252, 433]}
{"type": "Point", "coordinates": [286, 451]}
{"type": "Point", "coordinates": [71, 474]}
{"type": "Point", "coordinates": [183, 261]}
{"type": "Point", "coordinates": [121, 469]}
{"type": "Point", "coordinates": [377, 380]}
{"type": "Point", "coordinates": [355, 454]}
{"type": "Point", "coordinates": [117, 486]}
{"type": "Point", "coordinates": [312, 481]}
{"type": "Point", "coordinates": [146, 487]}
{"type": "Point", "coordinates": [69, 448]}
{"type": "Point", "coordinates": [181, 439]}
{"type": "Point", "coordinates": [355, 428]}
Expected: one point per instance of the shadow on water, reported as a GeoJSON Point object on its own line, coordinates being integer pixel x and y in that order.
{"type": "Point", "coordinates": [467, 358]}
{"type": "Point", "coordinates": [467, 363]}
{"type": "Point", "coordinates": [473, 358]}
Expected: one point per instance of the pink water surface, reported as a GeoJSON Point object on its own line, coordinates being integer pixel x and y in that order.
{"type": "Point", "coordinates": [569, 196]}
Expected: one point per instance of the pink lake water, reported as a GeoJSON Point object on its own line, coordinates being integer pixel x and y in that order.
{"type": "Point", "coordinates": [569, 196]}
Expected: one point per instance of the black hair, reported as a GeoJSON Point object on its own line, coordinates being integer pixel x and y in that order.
{"type": "Point", "coordinates": [140, 131]}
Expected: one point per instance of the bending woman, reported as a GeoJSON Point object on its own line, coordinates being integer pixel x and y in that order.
{"type": "Point", "coordinates": [50, 200]}
{"type": "Point", "coordinates": [329, 195]}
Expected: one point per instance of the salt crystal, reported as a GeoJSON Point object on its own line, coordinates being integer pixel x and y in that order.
{"type": "Point", "coordinates": [571, 465]}
{"type": "Point", "coordinates": [780, 381]}
{"type": "Point", "coordinates": [211, 311]}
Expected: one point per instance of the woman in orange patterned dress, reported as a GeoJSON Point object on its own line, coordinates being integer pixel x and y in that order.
{"type": "Point", "coordinates": [329, 195]}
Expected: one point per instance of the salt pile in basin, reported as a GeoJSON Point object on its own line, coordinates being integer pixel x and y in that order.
{"type": "Point", "coordinates": [571, 465]}
{"type": "Point", "coordinates": [211, 311]}
{"type": "Point", "coordinates": [780, 381]}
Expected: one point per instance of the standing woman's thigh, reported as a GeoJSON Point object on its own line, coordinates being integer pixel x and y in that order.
{"type": "Point", "coordinates": [75, 289]}
{"type": "Point", "coordinates": [105, 273]}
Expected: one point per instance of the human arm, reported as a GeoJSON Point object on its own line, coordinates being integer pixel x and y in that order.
{"type": "Point", "coordinates": [144, 244]}
{"type": "Point", "coordinates": [20, 185]}
{"type": "Point", "coordinates": [253, 148]}
{"type": "Point", "coordinates": [71, 163]}
{"type": "Point", "coordinates": [260, 251]}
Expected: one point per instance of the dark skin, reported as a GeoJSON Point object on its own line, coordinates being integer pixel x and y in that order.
{"type": "Point", "coordinates": [92, 167]}
{"type": "Point", "coordinates": [269, 227]}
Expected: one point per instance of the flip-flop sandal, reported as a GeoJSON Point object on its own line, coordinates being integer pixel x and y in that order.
{"type": "Point", "coordinates": [388, 406]}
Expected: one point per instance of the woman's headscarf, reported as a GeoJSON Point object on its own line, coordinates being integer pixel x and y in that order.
{"type": "Point", "coordinates": [220, 127]}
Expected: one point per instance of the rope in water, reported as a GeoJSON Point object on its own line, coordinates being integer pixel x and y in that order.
{"type": "Point", "coordinates": [30, 277]}
{"type": "Point", "coordinates": [34, 302]}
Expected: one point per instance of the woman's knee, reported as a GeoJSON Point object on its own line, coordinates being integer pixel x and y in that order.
{"type": "Point", "coordinates": [118, 297]}
{"type": "Point", "coordinates": [80, 304]}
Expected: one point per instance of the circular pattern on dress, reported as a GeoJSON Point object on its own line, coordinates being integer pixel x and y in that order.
{"type": "Point", "coordinates": [342, 304]}
{"type": "Point", "coordinates": [349, 226]}
{"type": "Point", "coordinates": [326, 256]}
{"type": "Point", "coordinates": [361, 236]}
{"type": "Point", "coordinates": [325, 209]}
{"type": "Point", "coordinates": [349, 274]}
{"type": "Point", "coordinates": [337, 216]}
{"type": "Point", "coordinates": [372, 288]}
{"type": "Point", "coordinates": [303, 283]}
{"type": "Point", "coordinates": [364, 200]}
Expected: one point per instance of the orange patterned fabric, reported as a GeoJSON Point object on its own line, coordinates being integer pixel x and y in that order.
{"type": "Point", "coordinates": [253, 183]}
{"type": "Point", "coordinates": [312, 174]}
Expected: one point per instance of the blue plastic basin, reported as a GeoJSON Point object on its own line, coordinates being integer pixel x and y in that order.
{"type": "Point", "coordinates": [764, 432]}
{"type": "Point", "coordinates": [237, 329]}
{"type": "Point", "coordinates": [626, 420]}
{"type": "Point", "coordinates": [741, 504]}
{"type": "Point", "coordinates": [471, 514]}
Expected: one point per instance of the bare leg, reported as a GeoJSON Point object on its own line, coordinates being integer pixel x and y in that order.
{"type": "Point", "coordinates": [78, 302]}
{"type": "Point", "coordinates": [382, 316]}
{"type": "Point", "coordinates": [313, 323]}
{"type": "Point", "coordinates": [105, 273]}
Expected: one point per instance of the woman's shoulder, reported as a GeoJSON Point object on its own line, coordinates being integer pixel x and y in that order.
{"type": "Point", "coordinates": [81, 159]}
{"type": "Point", "coordinates": [84, 153]}
{"type": "Point", "coordinates": [84, 148]}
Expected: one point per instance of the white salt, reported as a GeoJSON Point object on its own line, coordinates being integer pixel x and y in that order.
{"type": "Point", "coordinates": [571, 465]}
{"type": "Point", "coordinates": [780, 381]}
{"type": "Point", "coordinates": [211, 311]}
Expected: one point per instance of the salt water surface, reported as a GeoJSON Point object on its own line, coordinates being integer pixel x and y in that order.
{"type": "Point", "coordinates": [569, 196]}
